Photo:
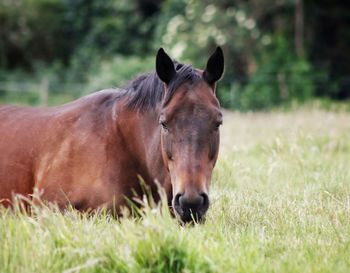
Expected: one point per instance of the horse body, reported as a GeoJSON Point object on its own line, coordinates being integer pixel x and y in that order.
{"type": "Point", "coordinates": [91, 153]}
{"type": "Point", "coordinates": [77, 153]}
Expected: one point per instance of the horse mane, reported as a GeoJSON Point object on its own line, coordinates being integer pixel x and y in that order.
{"type": "Point", "coordinates": [147, 90]}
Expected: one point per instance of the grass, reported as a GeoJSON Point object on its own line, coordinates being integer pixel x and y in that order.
{"type": "Point", "coordinates": [280, 203]}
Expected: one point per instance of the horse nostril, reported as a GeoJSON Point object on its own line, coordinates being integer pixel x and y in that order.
{"type": "Point", "coordinates": [205, 200]}
{"type": "Point", "coordinates": [177, 199]}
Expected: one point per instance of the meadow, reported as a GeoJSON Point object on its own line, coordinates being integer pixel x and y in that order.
{"type": "Point", "coordinates": [280, 202]}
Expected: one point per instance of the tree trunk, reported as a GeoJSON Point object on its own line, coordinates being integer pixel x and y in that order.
{"type": "Point", "coordinates": [299, 28]}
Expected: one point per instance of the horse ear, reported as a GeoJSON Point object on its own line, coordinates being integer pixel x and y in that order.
{"type": "Point", "coordinates": [215, 67]}
{"type": "Point", "coordinates": [164, 66]}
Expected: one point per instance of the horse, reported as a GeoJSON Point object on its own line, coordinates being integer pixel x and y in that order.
{"type": "Point", "coordinates": [90, 153]}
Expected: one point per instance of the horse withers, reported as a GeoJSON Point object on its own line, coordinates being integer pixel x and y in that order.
{"type": "Point", "coordinates": [163, 126]}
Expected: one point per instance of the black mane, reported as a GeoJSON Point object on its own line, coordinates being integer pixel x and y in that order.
{"type": "Point", "coordinates": [147, 90]}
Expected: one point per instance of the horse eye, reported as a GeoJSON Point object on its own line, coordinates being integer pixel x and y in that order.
{"type": "Point", "coordinates": [164, 125]}
{"type": "Point", "coordinates": [217, 124]}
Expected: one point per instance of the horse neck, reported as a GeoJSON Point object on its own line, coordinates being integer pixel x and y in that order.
{"type": "Point", "coordinates": [152, 146]}
{"type": "Point", "coordinates": [143, 133]}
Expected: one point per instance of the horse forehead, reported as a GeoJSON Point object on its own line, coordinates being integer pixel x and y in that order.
{"type": "Point", "coordinates": [198, 98]}
{"type": "Point", "coordinates": [193, 115]}
{"type": "Point", "coordinates": [200, 91]}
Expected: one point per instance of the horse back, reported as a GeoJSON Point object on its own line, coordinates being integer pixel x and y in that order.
{"type": "Point", "coordinates": [47, 147]}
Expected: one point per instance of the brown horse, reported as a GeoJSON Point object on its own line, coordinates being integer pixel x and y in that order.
{"type": "Point", "coordinates": [91, 152]}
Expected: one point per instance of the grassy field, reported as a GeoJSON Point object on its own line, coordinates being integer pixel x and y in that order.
{"type": "Point", "coordinates": [280, 203]}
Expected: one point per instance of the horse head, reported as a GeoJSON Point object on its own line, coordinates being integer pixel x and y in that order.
{"type": "Point", "coordinates": [189, 122]}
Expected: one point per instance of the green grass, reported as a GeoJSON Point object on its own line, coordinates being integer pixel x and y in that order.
{"type": "Point", "coordinates": [280, 203]}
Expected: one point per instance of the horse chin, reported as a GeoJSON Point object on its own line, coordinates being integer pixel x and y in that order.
{"type": "Point", "coordinates": [192, 220]}
{"type": "Point", "coordinates": [187, 218]}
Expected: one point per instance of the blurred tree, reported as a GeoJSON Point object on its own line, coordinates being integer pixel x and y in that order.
{"type": "Point", "coordinates": [328, 38]}
{"type": "Point", "coordinates": [49, 30]}
{"type": "Point", "coordinates": [32, 30]}
{"type": "Point", "coordinates": [268, 44]}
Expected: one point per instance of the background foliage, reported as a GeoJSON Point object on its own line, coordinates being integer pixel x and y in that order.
{"type": "Point", "coordinates": [277, 52]}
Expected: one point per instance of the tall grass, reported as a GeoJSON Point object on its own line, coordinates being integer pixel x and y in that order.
{"type": "Point", "coordinates": [280, 203]}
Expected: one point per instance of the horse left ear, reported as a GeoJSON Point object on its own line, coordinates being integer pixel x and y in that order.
{"type": "Point", "coordinates": [215, 67]}
{"type": "Point", "coordinates": [164, 66]}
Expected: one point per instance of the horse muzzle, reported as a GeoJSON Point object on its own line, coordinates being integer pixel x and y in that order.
{"type": "Point", "coordinates": [191, 208]}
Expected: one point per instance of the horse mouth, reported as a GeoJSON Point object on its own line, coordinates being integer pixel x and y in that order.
{"type": "Point", "coordinates": [189, 216]}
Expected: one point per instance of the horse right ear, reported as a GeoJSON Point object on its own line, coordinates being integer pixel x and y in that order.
{"type": "Point", "coordinates": [164, 66]}
{"type": "Point", "coordinates": [215, 67]}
